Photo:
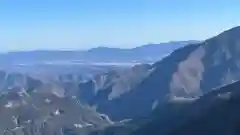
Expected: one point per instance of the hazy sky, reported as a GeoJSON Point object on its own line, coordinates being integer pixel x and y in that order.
{"type": "Point", "coordinates": [81, 24]}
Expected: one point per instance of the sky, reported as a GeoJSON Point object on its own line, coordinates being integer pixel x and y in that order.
{"type": "Point", "coordinates": [83, 24]}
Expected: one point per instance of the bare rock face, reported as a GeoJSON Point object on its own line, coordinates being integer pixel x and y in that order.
{"type": "Point", "coordinates": [187, 79]}
{"type": "Point", "coordinates": [214, 63]}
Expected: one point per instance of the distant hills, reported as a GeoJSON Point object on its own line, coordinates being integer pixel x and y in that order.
{"type": "Point", "coordinates": [143, 54]}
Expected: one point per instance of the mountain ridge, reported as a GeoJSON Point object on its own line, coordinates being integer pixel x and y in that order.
{"type": "Point", "coordinates": [190, 71]}
{"type": "Point", "coordinates": [145, 53]}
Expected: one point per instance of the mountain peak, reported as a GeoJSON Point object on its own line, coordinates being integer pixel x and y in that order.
{"type": "Point", "coordinates": [230, 34]}
{"type": "Point", "coordinates": [234, 29]}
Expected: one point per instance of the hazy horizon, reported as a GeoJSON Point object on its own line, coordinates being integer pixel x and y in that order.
{"type": "Point", "coordinates": [87, 49]}
{"type": "Point", "coordinates": [81, 25]}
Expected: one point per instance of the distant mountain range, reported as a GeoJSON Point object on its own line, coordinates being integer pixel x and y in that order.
{"type": "Point", "coordinates": [142, 54]}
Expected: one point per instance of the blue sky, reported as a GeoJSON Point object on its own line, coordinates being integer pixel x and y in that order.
{"type": "Point", "coordinates": [82, 24]}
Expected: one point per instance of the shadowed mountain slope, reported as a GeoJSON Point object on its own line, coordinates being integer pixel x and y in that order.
{"type": "Point", "coordinates": [187, 72]}
{"type": "Point", "coordinates": [217, 112]}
